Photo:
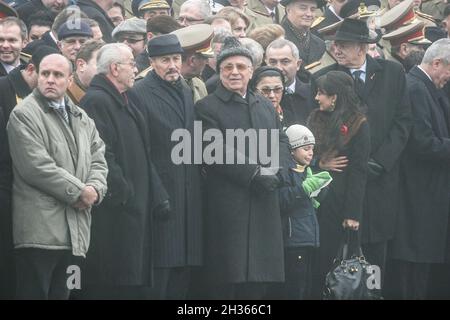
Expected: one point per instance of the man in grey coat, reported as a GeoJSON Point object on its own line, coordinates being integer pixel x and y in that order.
{"type": "Point", "coordinates": [59, 173]}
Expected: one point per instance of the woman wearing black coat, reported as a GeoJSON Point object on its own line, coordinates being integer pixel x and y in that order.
{"type": "Point", "coordinates": [341, 132]}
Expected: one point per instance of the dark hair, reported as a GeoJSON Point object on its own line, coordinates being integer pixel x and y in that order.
{"type": "Point", "coordinates": [119, 5]}
{"type": "Point", "coordinates": [40, 18]}
{"type": "Point", "coordinates": [162, 25]}
{"type": "Point", "coordinates": [263, 72]}
{"type": "Point", "coordinates": [347, 105]}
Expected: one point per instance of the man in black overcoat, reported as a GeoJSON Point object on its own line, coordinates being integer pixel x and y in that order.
{"type": "Point", "coordinates": [381, 85]}
{"type": "Point", "coordinates": [244, 245]}
{"type": "Point", "coordinates": [297, 25]}
{"type": "Point", "coordinates": [167, 104]}
{"type": "Point", "coordinates": [422, 227]}
{"type": "Point", "coordinates": [119, 261]}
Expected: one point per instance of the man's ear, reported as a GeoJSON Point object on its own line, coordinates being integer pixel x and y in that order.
{"type": "Point", "coordinates": [150, 35]}
{"type": "Point", "coordinates": [299, 64]}
{"type": "Point", "coordinates": [80, 64]}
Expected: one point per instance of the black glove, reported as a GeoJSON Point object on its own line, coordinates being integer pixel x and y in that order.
{"type": "Point", "coordinates": [265, 183]}
{"type": "Point", "coordinates": [374, 169]}
{"type": "Point", "coordinates": [163, 211]}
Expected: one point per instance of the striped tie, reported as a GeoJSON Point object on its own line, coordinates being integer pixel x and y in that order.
{"type": "Point", "coordinates": [63, 112]}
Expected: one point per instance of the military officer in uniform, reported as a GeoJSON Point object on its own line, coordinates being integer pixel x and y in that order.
{"type": "Point", "coordinates": [196, 43]}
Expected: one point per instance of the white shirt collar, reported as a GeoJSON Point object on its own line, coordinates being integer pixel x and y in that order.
{"type": "Point", "coordinates": [363, 69]}
{"type": "Point", "coordinates": [9, 67]}
{"type": "Point", "coordinates": [57, 104]}
{"type": "Point", "coordinates": [274, 10]}
{"type": "Point", "coordinates": [425, 73]}
{"type": "Point", "coordinates": [292, 86]}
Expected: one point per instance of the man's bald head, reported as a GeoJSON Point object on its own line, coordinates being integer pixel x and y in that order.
{"type": "Point", "coordinates": [54, 76]}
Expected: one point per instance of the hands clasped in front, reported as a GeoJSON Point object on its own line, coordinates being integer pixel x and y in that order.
{"type": "Point", "coordinates": [87, 198]}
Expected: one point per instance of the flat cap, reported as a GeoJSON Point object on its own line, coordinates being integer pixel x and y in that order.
{"type": "Point", "coordinates": [73, 28]}
{"type": "Point", "coordinates": [412, 33]}
{"type": "Point", "coordinates": [132, 25]}
{"type": "Point", "coordinates": [164, 45]}
{"type": "Point", "coordinates": [196, 39]}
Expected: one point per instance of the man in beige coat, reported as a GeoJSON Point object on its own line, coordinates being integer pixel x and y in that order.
{"type": "Point", "coordinates": [59, 173]}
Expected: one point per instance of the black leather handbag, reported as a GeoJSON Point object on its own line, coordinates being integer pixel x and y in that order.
{"type": "Point", "coordinates": [349, 277]}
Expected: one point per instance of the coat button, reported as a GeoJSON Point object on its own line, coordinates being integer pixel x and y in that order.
{"type": "Point", "coordinates": [299, 257]}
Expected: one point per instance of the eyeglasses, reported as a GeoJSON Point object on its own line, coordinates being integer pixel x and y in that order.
{"type": "Point", "coordinates": [131, 63]}
{"type": "Point", "coordinates": [189, 20]}
{"type": "Point", "coordinates": [267, 90]}
{"type": "Point", "coordinates": [239, 66]}
{"type": "Point", "coordinates": [129, 40]}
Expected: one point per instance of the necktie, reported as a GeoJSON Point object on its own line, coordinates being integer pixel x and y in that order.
{"type": "Point", "coordinates": [273, 16]}
{"type": "Point", "coordinates": [288, 91]}
{"type": "Point", "coordinates": [63, 112]}
{"type": "Point", "coordinates": [359, 83]}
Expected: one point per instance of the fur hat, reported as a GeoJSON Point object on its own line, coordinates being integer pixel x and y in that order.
{"type": "Point", "coordinates": [232, 47]}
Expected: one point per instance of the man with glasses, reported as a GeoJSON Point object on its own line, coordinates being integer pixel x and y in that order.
{"type": "Point", "coordinates": [167, 104]}
{"type": "Point", "coordinates": [193, 12]}
{"type": "Point", "coordinates": [71, 36]}
{"type": "Point", "coordinates": [244, 243]}
{"type": "Point", "coordinates": [118, 264]}
{"type": "Point", "coordinates": [133, 33]}
{"type": "Point", "coordinates": [297, 102]}
{"type": "Point", "coordinates": [300, 15]}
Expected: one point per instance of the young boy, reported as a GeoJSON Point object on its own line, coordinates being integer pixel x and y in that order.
{"type": "Point", "coordinates": [298, 204]}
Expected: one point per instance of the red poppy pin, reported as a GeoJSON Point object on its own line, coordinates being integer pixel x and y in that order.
{"type": "Point", "coordinates": [344, 130]}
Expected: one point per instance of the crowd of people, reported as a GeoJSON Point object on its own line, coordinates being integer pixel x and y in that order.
{"type": "Point", "coordinates": [340, 112]}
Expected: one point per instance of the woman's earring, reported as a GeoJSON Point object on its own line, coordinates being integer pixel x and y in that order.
{"type": "Point", "coordinates": [333, 105]}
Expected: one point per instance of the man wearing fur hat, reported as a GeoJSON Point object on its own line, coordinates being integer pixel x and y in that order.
{"type": "Point", "coordinates": [244, 244]}
{"type": "Point", "coordinates": [381, 85]}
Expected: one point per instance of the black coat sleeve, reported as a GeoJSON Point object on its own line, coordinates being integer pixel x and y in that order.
{"type": "Point", "coordinates": [96, 106]}
{"type": "Point", "coordinates": [395, 141]}
{"type": "Point", "coordinates": [356, 172]}
{"type": "Point", "coordinates": [423, 140]}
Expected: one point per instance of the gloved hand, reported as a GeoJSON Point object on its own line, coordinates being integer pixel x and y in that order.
{"type": "Point", "coordinates": [315, 182]}
{"type": "Point", "coordinates": [374, 169]}
{"type": "Point", "coordinates": [163, 211]}
{"type": "Point", "coordinates": [265, 183]}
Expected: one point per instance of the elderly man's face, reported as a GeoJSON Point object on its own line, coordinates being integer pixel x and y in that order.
{"type": "Point", "coordinates": [441, 73]}
{"type": "Point", "coordinates": [11, 43]}
{"type": "Point", "coordinates": [71, 45]}
{"type": "Point", "coordinates": [190, 15]}
{"type": "Point", "coordinates": [301, 13]}
{"type": "Point", "coordinates": [167, 67]}
{"type": "Point", "coordinates": [126, 71]}
{"type": "Point", "coordinates": [54, 77]}
{"type": "Point", "coordinates": [149, 14]}
{"type": "Point", "coordinates": [55, 6]}
{"type": "Point", "coordinates": [283, 59]}
{"type": "Point", "coordinates": [349, 54]}
{"type": "Point", "coordinates": [235, 73]}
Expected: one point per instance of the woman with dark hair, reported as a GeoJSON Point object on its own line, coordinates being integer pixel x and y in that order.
{"type": "Point", "coordinates": [342, 147]}
{"type": "Point", "coordinates": [269, 82]}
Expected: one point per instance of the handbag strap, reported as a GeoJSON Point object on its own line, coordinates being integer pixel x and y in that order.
{"type": "Point", "coordinates": [350, 246]}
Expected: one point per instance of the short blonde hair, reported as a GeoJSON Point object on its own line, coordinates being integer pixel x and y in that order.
{"type": "Point", "coordinates": [233, 15]}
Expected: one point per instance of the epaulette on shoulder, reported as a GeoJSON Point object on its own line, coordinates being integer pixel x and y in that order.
{"type": "Point", "coordinates": [143, 73]}
{"type": "Point", "coordinates": [317, 21]}
{"type": "Point", "coordinates": [313, 65]}
{"type": "Point", "coordinates": [25, 56]}
{"type": "Point", "coordinates": [426, 16]}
